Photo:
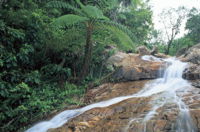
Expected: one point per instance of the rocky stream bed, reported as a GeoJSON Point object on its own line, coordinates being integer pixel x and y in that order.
{"type": "Point", "coordinates": [136, 101]}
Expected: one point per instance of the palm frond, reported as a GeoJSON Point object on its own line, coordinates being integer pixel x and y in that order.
{"type": "Point", "coordinates": [68, 20]}
{"type": "Point", "coordinates": [63, 5]}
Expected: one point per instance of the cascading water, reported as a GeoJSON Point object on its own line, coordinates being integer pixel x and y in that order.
{"type": "Point", "coordinates": [168, 87]}
{"type": "Point", "coordinates": [164, 90]}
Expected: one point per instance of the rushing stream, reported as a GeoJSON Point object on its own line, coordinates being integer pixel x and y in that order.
{"type": "Point", "coordinates": [165, 90]}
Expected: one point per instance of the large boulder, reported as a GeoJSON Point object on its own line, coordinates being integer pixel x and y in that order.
{"type": "Point", "coordinates": [193, 54]}
{"type": "Point", "coordinates": [192, 73]}
{"type": "Point", "coordinates": [154, 50]}
{"type": "Point", "coordinates": [143, 50]}
{"type": "Point", "coordinates": [130, 67]}
{"type": "Point", "coordinates": [181, 51]}
{"type": "Point", "coordinates": [117, 59]}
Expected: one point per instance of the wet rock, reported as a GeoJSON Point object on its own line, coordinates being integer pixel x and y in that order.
{"type": "Point", "coordinates": [193, 54]}
{"type": "Point", "coordinates": [196, 117]}
{"type": "Point", "coordinates": [161, 55]}
{"type": "Point", "coordinates": [196, 83]}
{"type": "Point", "coordinates": [154, 50]}
{"type": "Point", "coordinates": [110, 90]}
{"type": "Point", "coordinates": [116, 59]}
{"type": "Point", "coordinates": [192, 72]}
{"type": "Point", "coordinates": [181, 51]}
{"type": "Point", "coordinates": [130, 67]}
{"type": "Point", "coordinates": [142, 50]}
{"type": "Point", "coordinates": [128, 115]}
{"type": "Point", "coordinates": [110, 119]}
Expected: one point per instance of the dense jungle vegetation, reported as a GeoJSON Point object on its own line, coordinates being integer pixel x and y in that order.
{"type": "Point", "coordinates": [50, 51]}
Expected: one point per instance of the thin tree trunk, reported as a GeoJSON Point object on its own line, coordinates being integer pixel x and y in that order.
{"type": "Point", "coordinates": [168, 47]}
{"type": "Point", "coordinates": [88, 52]}
{"type": "Point", "coordinates": [63, 61]}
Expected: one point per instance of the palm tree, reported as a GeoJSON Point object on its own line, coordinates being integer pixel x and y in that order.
{"type": "Point", "coordinates": [91, 17]}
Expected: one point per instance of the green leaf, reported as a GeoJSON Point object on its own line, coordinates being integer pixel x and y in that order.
{"type": "Point", "coordinates": [68, 20]}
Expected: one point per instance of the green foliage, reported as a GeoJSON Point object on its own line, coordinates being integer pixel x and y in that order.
{"type": "Point", "coordinates": [136, 16]}
{"type": "Point", "coordinates": [24, 55]}
{"type": "Point", "coordinates": [192, 37]}
{"type": "Point", "coordinates": [193, 25]}
{"type": "Point", "coordinates": [33, 78]}
{"type": "Point", "coordinates": [23, 104]}
{"type": "Point", "coordinates": [180, 44]}
{"type": "Point", "coordinates": [39, 63]}
{"type": "Point", "coordinates": [32, 83]}
{"type": "Point", "coordinates": [91, 13]}
{"type": "Point", "coordinates": [54, 72]}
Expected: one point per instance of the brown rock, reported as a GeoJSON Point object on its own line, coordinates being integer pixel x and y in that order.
{"type": "Point", "coordinates": [192, 72]}
{"type": "Point", "coordinates": [142, 50]}
{"type": "Point", "coordinates": [128, 115]}
{"type": "Point", "coordinates": [193, 54]}
{"type": "Point", "coordinates": [110, 90]}
{"type": "Point", "coordinates": [132, 67]}
{"type": "Point", "coordinates": [154, 50]}
{"type": "Point", "coordinates": [110, 119]}
{"type": "Point", "coordinates": [161, 55]}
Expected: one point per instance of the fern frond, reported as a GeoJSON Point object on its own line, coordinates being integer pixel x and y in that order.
{"type": "Point", "coordinates": [63, 5]}
{"type": "Point", "coordinates": [104, 4]}
{"type": "Point", "coordinates": [121, 27]}
{"type": "Point", "coordinates": [79, 3]}
{"type": "Point", "coordinates": [93, 12]}
{"type": "Point", "coordinates": [125, 41]}
{"type": "Point", "coordinates": [68, 20]}
{"type": "Point", "coordinates": [107, 5]}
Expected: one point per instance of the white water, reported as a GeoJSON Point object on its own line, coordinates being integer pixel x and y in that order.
{"type": "Point", "coordinates": [164, 90]}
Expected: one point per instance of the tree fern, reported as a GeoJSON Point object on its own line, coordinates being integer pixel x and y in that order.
{"type": "Point", "coordinates": [92, 16]}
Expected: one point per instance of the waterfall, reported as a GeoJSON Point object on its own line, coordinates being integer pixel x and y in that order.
{"type": "Point", "coordinates": [164, 89]}
{"type": "Point", "coordinates": [168, 86]}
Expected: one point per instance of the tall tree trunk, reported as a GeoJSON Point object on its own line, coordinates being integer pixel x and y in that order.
{"type": "Point", "coordinates": [88, 52]}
